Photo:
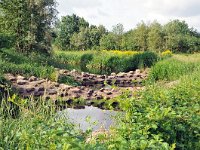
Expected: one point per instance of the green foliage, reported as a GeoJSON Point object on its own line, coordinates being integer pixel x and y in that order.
{"type": "Point", "coordinates": [68, 80]}
{"type": "Point", "coordinates": [68, 26]}
{"type": "Point", "coordinates": [171, 69]}
{"type": "Point", "coordinates": [106, 62]}
{"type": "Point", "coordinates": [6, 40]}
{"type": "Point", "coordinates": [160, 118]}
{"type": "Point", "coordinates": [108, 42]}
{"type": "Point", "coordinates": [30, 22]}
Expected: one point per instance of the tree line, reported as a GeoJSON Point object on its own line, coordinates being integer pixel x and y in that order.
{"type": "Point", "coordinates": [32, 25]}
{"type": "Point", "coordinates": [27, 24]}
{"type": "Point", "coordinates": [75, 33]}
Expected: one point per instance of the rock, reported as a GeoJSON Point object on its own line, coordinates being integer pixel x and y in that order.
{"type": "Point", "coordinates": [30, 89]}
{"type": "Point", "coordinates": [74, 96]}
{"type": "Point", "coordinates": [64, 94]}
{"type": "Point", "coordinates": [113, 74]}
{"type": "Point", "coordinates": [83, 74]}
{"type": "Point", "coordinates": [10, 77]}
{"type": "Point", "coordinates": [52, 91]}
{"type": "Point", "coordinates": [107, 97]}
{"type": "Point", "coordinates": [64, 86]}
{"type": "Point", "coordinates": [102, 89]}
{"type": "Point", "coordinates": [41, 93]}
{"type": "Point", "coordinates": [21, 82]}
{"type": "Point", "coordinates": [20, 77]}
{"type": "Point", "coordinates": [101, 76]}
{"type": "Point", "coordinates": [109, 93]}
{"type": "Point", "coordinates": [129, 75]}
{"type": "Point", "coordinates": [32, 78]}
{"type": "Point", "coordinates": [40, 81]}
{"type": "Point", "coordinates": [63, 71]}
{"type": "Point", "coordinates": [90, 92]}
{"type": "Point", "coordinates": [131, 72]}
{"type": "Point", "coordinates": [137, 71]}
{"type": "Point", "coordinates": [40, 89]}
{"type": "Point", "coordinates": [98, 97]}
{"type": "Point", "coordinates": [75, 90]}
{"type": "Point", "coordinates": [21, 90]}
{"type": "Point", "coordinates": [121, 75]}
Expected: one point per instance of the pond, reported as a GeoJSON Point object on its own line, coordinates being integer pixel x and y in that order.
{"type": "Point", "coordinates": [90, 117]}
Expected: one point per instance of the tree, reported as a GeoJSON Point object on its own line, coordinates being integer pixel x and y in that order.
{"type": "Point", "coordinates": [81, 40]}
{"type": "Point", "coordinates": [108, 42]}
{"type": "Point", "coordinates": [175, 35]}
{"type": "Point", "coordinates": [30, 21]}
{"type": "Point", "coordinates": [67, 27]}
{"type": "Point", "coordinates": [118, 32]}
{"type": "Point", "coordinates": [128, 41]}
{"type": "Point", "coordinates": [140, 36]}
{"type": "Point", "coordinates": [96, 34]}
{"type": "Point", "coordinates": [155, 37]}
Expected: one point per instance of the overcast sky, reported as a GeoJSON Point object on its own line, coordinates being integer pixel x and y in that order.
{"type": "Point", "coordinates": [131, 12]}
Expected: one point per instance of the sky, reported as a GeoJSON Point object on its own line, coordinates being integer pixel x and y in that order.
{"type": "Point", "coordinates": [131, 12]}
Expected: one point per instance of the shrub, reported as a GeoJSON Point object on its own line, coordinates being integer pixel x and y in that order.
{"type": "Point", "coordinates": [166, 53]}
{"type": "Point", "coordinates": [6, 40]}
{"type": "Point", "coordinates": [171, 69]}
{"type": "Point", "coordinates": [85, 59]}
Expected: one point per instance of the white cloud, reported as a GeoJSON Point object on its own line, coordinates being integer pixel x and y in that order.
{"type": "Point", "coordinates": [131, 12]}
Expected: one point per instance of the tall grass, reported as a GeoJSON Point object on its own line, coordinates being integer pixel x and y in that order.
{"type": "Point", "coordinates": [172, 68]}
{"type": "Point", "coordinates": [105, 62]}
{"type": "Point", "coordinates": [160, 118]}
{"type": "Point", "coordinates": [36, 127]}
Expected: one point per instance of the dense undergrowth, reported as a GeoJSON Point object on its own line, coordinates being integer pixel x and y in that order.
{"type": "Point", "coordinates": [106, 62]}
{"type": "Point", "coordinates": [160, 117]}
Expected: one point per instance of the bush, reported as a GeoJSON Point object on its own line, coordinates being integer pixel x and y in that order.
{"type": "Point", "coordinates": [171, 69]}
{"type": "Point", "coordinates": [160, 118]}
{"type": "Point", "coordinates": [166, 53]}
{"type": "Point", "coordinates": [85, 59]}
{"type": "Point", "coordinates": [6, 40]}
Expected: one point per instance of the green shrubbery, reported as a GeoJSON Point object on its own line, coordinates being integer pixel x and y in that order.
{"type": "Point", "coordinates": [172, 68]}
{"type": "Point", "coordinates": [105, 62]}
{"type": "Point", "coordinates": [6, 40]}
{"type": "Point", "coordinates": [160, 118]}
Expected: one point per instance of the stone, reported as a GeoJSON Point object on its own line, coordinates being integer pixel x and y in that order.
{"type": "Point", "coordinates": [90, 92]}
{"type": "Point", "coordinates": [21, 82]}
{"type": "Point", "coordinates": [52, 91]}
{"type": "Point", "coordinates": [121, 75]}
{"type": "Point", "coordinates": [75, 90]}
{"type": "Point", "coordinates": [39, 93]}
{"type": "Point", "coordinates": [40, 81]}
{"type": "Point", "coordinates": [20, 77]}
{"type": "Point", "coordinates": [64, 86]}
{"type": "Point", "coordinates": [102, 90]}
{"type": "Point", "coordinates": [84, 74]}
{"type": "Point", "coordinates": [98, 97]}
{"type": "Point", "coordinates": [131, 72]}
{"type": "Point", "coordinates": [32, 78]}
{"type": "Point", "coordinates": [109, 93]}
{"type": "Point", "coordinates": [137, 71]}
{"type": "Point", "coordinates": [10, 77]}
{"type": "Point", "coordinates": [30, 89]}
{"type": "Point", "coordinates": [40, 89]}
{"type": "Point", "coordinates": [101, 76]}
{"type": "Point", "coordinates": [113, 74]}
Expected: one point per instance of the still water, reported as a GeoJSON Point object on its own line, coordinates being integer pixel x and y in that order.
{"type": "Point", "coordinates": [90, 117]}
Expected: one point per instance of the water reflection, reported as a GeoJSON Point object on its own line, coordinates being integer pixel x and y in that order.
{"type": "Point", "coordinates": [90, 117]}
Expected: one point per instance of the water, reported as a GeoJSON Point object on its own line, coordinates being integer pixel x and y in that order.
{"type": "Point", "coordinates": [90, 117]}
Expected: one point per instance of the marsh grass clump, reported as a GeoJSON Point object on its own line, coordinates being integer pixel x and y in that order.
{"type": "Point", "coordinates": [37, 127]}
{"type": "Point", "coordinates": [172, 68]}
